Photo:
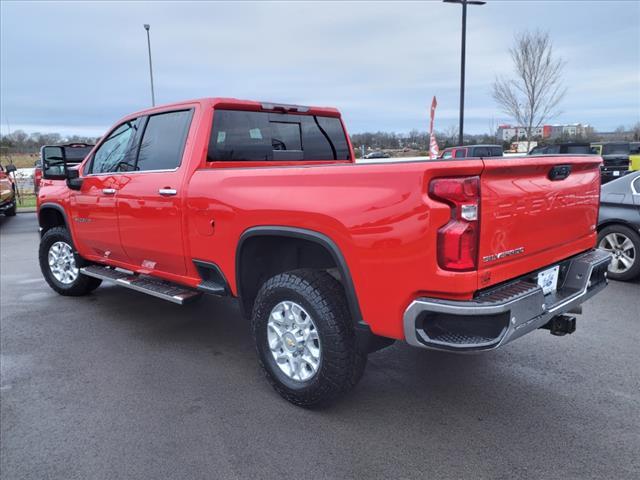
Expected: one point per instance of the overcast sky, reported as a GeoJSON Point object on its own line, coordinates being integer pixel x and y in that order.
{"type": "Point", "coordinates": [76, 67]}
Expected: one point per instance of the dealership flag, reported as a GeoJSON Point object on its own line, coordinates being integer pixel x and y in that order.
{"type": "Point", "coordinates": [433, 145]}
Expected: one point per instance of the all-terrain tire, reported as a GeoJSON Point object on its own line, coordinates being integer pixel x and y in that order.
{"type": "Point", "coordinates": [82, 284]}
{"type": "Point", "coordinates": [341, 365]}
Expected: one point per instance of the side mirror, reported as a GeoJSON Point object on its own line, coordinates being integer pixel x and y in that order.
{"type": "Point", "coordinates": [74, 182]}
{"type": "Point", "coordinates": [10, 168]}
{"type": "Point", "coordinates": [53, 163]}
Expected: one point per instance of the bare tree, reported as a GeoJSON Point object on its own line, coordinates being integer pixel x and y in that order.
{"type": "Point", "coordinates": [534, 94]}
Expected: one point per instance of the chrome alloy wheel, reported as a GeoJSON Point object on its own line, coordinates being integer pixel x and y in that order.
{"type": "Point", "coordinates": [293, 340]}
{"type": "Point", "coordinates": [622, 249]}
{"type": "Point", "coordinates": [62, 263]}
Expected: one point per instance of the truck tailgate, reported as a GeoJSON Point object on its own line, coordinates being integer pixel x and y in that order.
{"type": "Point", "coordinates": [528, 220]}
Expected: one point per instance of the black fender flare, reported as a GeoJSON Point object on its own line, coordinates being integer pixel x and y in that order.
{"type": "Point", "coordinates": [316, 237]}
{"type": "Point", "coordinates": [53, 206]}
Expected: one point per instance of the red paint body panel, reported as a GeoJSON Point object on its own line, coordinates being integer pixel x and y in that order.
{"type": "Point", "coordinates": [522, 208]}
{"type": "Point", "coordinates": [380, 216]}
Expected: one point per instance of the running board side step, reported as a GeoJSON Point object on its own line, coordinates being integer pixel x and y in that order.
{"type": "Point", "coordinates": [142, 283]}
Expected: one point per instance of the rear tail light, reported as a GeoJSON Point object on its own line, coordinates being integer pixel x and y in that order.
{"type": "Point", "coordinates": [458, 239]}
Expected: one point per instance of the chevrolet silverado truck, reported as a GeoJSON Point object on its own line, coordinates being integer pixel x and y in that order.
{"type": "Point", "coordinates": [329, 259]}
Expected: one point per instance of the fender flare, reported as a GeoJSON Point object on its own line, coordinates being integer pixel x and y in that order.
{"type": "Point", "coordinates": [57, 207]}
{"type": "Point", "coordinates": [318, 238]}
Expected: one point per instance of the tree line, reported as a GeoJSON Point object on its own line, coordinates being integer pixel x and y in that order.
{"type": "Point", "coordinates": [20, 142]}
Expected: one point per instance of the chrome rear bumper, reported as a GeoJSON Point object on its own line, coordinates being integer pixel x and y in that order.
{"type": "Point", "coordinates": [502, 314]}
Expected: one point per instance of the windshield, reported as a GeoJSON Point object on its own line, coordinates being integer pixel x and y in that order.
{"type": "Point", "coordinates": [615, 149]}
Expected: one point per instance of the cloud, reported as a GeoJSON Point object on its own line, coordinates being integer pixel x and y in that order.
{"type": "Point", "coordinates": [83, 65]}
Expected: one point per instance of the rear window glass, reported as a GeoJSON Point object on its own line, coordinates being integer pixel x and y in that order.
{"type": "Point", "coordinates": [76, 154]}
{"type": "Point", "coordinates": [584, 149]}
{"type": "Point", "coordinates": [259, 136]}
{"type": "Point", "coordinates": [615, 149]}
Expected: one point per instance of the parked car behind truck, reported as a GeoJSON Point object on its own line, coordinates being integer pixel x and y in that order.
{"type": "Point", "coordinates": [615, 157]}
{"type": "Point", "coordinates": [619, 226]}
{"type": "Point", "coordinates": [329, 259]}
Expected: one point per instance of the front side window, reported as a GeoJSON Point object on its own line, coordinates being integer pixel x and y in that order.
{"type": "Point", "coordinates": [118, 150]}
{"type": "Point", "coordinates": [262, 136]}
{"type": "Point", "coordinates": [636, 185]}
{"type": "Point", "coordinates": [163, 140]}
{"type": "Point", "coordinates": [461, 153]}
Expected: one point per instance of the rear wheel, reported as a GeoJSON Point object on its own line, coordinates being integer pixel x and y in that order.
{"type": "Point", "coordinates": [305, 339]}
{"type": "Point", "coordinates": [60, 265]}
{"type": "Point", "coordinates": [624, 244]}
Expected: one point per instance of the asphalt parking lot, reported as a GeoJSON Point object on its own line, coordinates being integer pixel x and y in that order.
{"type": "Point", "coordinates": [119, 385]}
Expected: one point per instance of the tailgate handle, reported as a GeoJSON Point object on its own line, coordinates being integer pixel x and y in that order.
{"type": "Point", "coordinates": [559, 172]}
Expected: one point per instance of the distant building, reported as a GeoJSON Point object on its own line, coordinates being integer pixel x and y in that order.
{"type": "Point", "coordinates": [509, 133]}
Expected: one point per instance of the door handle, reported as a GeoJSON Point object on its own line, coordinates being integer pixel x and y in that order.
{"type": "Point", "coordinates": [167, 192]}
{"type": "Point", "coordinates": [108, 191]}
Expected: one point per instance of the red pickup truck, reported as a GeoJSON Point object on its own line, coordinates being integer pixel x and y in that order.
{"type": "Point", "coordinates": [330, 259]}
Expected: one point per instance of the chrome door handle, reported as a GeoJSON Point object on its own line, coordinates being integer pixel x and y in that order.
{"type": "Point", "coordinates": [108, 191]}
{"type": "Point", "coordinates": [167, 192]}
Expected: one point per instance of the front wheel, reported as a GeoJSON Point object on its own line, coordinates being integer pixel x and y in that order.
{"type": "Point", "coordinates": [304, 337]}
{"type": "Point", "coordinates": [59, 264]}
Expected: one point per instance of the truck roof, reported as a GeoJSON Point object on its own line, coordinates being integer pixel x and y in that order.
{"type": "Point", "coordinates": [239, 104]}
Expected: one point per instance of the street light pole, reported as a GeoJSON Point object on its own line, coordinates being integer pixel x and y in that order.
{"type": "Point", "coordinates": [153, 95]}
{"type": "Point", "coordinates": [464, 4]}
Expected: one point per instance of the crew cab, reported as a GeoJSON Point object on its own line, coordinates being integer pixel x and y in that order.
{"type": "Point", "coordinates": [329, 259]}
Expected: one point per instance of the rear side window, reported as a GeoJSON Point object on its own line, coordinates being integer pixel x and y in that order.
{"type": "Point", "coordinates": [163, 140]}
{"type": "Point", "coordinates": [496, 152]}
{"type": "Point", "coordinates": [260, 136]}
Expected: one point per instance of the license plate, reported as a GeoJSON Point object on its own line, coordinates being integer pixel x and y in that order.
{"type": "Point", "coordinates": [616, 173]}
{"type": "Point", "coordinates": [548, 279]}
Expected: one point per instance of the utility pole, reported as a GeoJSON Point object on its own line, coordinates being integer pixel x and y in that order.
{"type": "Point", "coordinates": [153, 95]}
{"type": "Point", "coordinates": [464, 4]}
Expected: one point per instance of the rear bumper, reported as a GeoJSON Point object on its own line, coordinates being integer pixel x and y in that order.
{"type": "Point", "coordinates": [611, 173]}
{"type": "Point", "coordinates": [502, 314]}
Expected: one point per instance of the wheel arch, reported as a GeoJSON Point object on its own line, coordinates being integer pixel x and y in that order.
{"type": "Point", "coordinates": [52, 215]}
{"type": "Point", "coordinates": [265, 238]}
{"type": "Point", "coordinates": [617, 221]}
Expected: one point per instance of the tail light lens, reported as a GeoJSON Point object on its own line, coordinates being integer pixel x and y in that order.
{"type": "Point", "coordinates": [458, 239]}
